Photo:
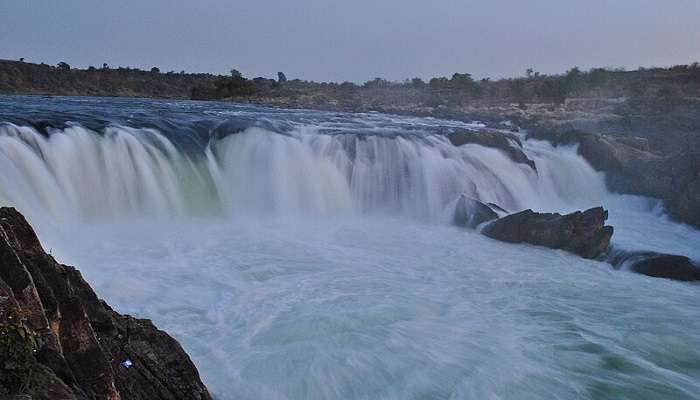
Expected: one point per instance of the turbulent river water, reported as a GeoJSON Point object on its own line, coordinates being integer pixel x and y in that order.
{"type": "Point", "coordinates": [309, 255]}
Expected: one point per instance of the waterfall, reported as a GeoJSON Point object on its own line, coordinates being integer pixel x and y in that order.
{"type": "Point", "coordinates": [78, 173]}
{"type": "Point", "coordinates": [301, 254]}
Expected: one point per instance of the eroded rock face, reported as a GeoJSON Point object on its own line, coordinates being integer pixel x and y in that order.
{"type": "Point", "coordinates": [630, 167]}
{"type": "Point", "coordinates": [470, 213]}
{"type": "Point", "coordinates": [78, 342]}
{"type": "Point", "coordinates": [506, 142]}
{"type": "Point", "coordinates": [581, 233]}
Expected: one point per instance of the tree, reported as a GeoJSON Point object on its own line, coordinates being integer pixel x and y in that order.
{"type": "Point", "coordinates": [63, 66]}
{"type": "Point", "coordinates": [462, 79]}
{"type": "Point", "coordinates": [572, 80]}
{"type": "Point", "coordinates": [377, 82]}
{"type": "Point", "coordinates": [21, 59]}
{"type": "Point", "coordinates": [281, 77]}
{"type": "Point", "coordinates": [553, 90]}
{"type": "Point", "coordinates": [417, 82]}
{"type": "Point", "coordinates": [518, 91]}
{"type": "Point", "coordinates": [439, 83]}
{"type": "Point", "coordinates": [348, 86]}
{"type": "Point", "coordinates": [599, 77]}
{"type": "Point", "coordinates": [236, 73]}
{"type": "Point", "coordinates": [105, 66]}
{"type": "Point", "coordinates": [234, 86]}
{"type": "Point", "coordinates": [155, 70]}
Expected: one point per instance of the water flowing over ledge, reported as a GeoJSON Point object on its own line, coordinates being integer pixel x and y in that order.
{"type": "Point", "coordinates": [79, 173]}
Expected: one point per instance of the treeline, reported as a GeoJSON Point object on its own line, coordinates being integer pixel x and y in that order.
{"type": "Point", "coordinates": [223, 87]}
{"type": "Point", "coordinates": [61, 79]}
{"type": "Point", "coordinates": [670, 85]}
{"type": "Point", "coordinates": [644, 86]}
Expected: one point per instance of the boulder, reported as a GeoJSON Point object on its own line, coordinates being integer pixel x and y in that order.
{"type": "Point", "coordinates": [581, 233]}
{"type": "Point", "coordinates": [668, 266]}
{"type": "Point", "coordinates": [508, 143]}
{"type": "Point", "coordinates": [658, 265]}
{"type": "Point", "coordinates": [65, 343]}
{"type": "Point", "coordinates": [470, 213]}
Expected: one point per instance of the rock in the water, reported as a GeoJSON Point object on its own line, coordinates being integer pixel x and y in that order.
{"type": "Point", "coordinates": [471, 213]}
{"type": "Point", "coordinates": [668, 266]}
{"type": "Point", "coordinates": [658, 265]}
{"type": "Point", "coordinates": [64, 343]}
{"type": "Point", "coordinates": [582, 233]}
{"type": "Point", "coordinates": [506, 142]}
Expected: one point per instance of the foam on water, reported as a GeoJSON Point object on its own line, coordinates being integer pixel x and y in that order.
{"type": "Point", "coordinates": [312, 259]}
{"type": "Point", "coordinates": [388, 308]}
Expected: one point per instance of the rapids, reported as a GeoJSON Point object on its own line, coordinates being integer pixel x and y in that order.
{"type": "Point", "coordinates": [308, 255]}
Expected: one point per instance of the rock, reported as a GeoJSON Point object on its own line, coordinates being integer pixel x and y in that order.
{"type": "Point", "coordinates": [658, 265]}
{"type": "Point", "coordinates": [498, 209]}
{"type": "Point", "coordinates": [471, 213]}
{"type": "Point", "coordinates": [668, 266]}
{"type": "Point", "coordinates": [76, 342]}
{"type": "Point", "coordinates": [630, 168]}
{"type": "Point", "coordinates": [581, 233]}
{"type": "Point", "coordinates": [508, 143]}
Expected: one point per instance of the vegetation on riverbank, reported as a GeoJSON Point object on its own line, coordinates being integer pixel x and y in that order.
{"type": "Point", "coordinates": [669, 87]}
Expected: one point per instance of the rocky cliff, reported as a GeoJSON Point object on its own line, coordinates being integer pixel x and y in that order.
{"type": "Point", "coordinates": [632, 165]}
{"type": "Point", "coordinates": [58, 340]}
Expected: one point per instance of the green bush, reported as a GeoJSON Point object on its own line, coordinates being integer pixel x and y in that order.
{"type": "Point", "coordinates": [17, 346]}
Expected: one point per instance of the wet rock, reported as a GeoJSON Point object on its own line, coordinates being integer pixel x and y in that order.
{"type": "Point", "coordinates": [630, 167]}
{"type": "Point", "coordinates": [668, 266]}
{"type": "Point", "coordinates": [658, 265]}
{"type": "Point", "coordinates": [581, 233]}
{"type": "Point", "coordinates": [78, 343]}
{"type": "Point", "coordinates": [498, 209]}
{"type": "Point", "coordinates": [471, 213]}
{"type": "Point", "coordinates": [508, 143]}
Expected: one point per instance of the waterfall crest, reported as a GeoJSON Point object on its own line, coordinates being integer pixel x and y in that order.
{"type": "Point", "coordinates": [76, 172]}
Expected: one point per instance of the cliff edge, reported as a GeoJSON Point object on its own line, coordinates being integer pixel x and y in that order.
{"type": "Point", "coordinates": [59, 341]}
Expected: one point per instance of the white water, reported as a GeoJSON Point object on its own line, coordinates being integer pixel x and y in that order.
{"type": "Point", "coordinates": [309, 266]}
{"type": "Point", "coordinates": [78, 174]}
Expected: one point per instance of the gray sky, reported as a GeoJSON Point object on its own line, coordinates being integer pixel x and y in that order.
{"type": "Point", "coordinates": [353, 40]}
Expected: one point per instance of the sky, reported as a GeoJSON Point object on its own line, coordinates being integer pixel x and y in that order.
{"type": "Point", "coordinates": [353, 40]}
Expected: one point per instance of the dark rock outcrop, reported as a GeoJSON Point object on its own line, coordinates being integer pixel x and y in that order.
{"type": "Point", "coordinates": [59, 341]}
{"type": "Point", "coordinates": [668, 266]}
{"type": "Point", "coordinates": [581, 233]}
{"type": "Point", "coordinates": [658, 265]}
{"type": "Point", "coordinates": [506, 142]}
{"type": "Point", "coordinates": [470, 213]}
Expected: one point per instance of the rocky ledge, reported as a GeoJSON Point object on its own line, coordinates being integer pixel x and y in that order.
{"type": "Point", "coordinates": [581, 233]}
{"type": "Point", "coordinates": [508, 143]}
{"type": "Point", "coordinates": [59, 341]}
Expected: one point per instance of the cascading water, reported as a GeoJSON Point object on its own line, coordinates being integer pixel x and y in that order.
{"type": "Point", "coordinates": [308, 255]}
{"type": "Point", "coordinates": [78, 173]}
